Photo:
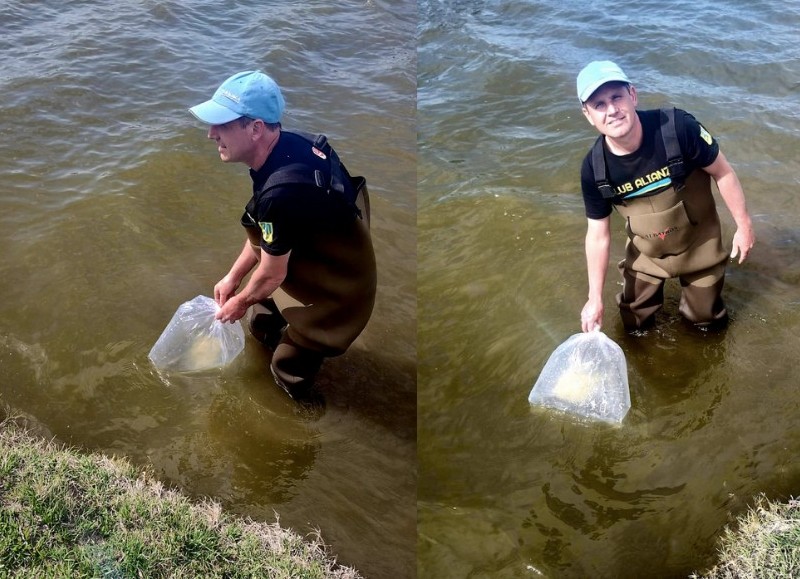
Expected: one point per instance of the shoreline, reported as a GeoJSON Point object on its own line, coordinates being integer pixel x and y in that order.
{"type": "Point", "coordinates": [67, 513]}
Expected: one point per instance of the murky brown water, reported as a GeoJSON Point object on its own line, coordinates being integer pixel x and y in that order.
{"type": "Point", "coordinates": [116, 209]}
{"type": "Point", "coordinates": [507, 490]}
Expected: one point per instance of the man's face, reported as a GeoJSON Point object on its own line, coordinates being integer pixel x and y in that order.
{"type": "Point", "coordinates": [234, 141]}
{"type": "Point", "coordinates": [612, 109]}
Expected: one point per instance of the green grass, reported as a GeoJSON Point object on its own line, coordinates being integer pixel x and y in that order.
{"type": "Point", "coordinates": [764, 544]}
{"type": "Point", "coordinates": [68, 514]}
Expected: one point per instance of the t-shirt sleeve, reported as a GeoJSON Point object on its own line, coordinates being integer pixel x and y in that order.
{"type": "Point", "coordinates": [274, 217]}
{"type": "Point", "coordinates": [700, 148]}
{"type": "Point", "coordinates": [595, 205]}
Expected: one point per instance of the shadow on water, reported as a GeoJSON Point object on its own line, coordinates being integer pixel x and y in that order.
{"type": "Point", "coordinates": [373, 384]}
{"type": "Point", "coordinates": [376, 386]}
{"type": "Point", "coordinates": [239, 444]}
{"type": "Point", "coordinates": [667, 384]}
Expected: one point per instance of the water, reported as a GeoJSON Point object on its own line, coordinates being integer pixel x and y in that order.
{"type": "Point", "coordinates": [115, 209]}
{"type": "Point", "coordinates": [507, 490]}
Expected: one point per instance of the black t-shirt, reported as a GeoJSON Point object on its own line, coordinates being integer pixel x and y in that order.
{"type": "Point", "coordinates": [288, 216]}
{"type": "Point", "coordinates": [642, 173]}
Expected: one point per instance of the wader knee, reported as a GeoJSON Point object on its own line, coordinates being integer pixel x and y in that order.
{"type": "Point", "coordinates": [266, 323]}
{"type": "Point", "coordinates": [639, 300]}
{"type": "Point", "coordinates": [294, 367]}
{"type": "Point", "coordinates": [701, 298]}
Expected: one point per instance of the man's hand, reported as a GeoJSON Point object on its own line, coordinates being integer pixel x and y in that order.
{"type": "Point", "coordinates": [233, 309]}
{"type": "Point", "coordinates": [224, 290]}
{"type": "Point", "coordinates": [267, 277]}
{"type": "Point", "coordinates": [743, 241]}
{"type": "Point", "coordinates": [592, 315]}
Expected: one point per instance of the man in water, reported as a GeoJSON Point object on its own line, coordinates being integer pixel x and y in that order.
{"type": "Point", "coordinates": [308, 243]}
{"type": "Point", "coordinates": [655, 168]}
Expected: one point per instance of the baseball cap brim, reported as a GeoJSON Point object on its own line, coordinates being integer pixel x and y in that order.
{"type": "Point", "coordinates": [596, 74]}
{"type": "Point", "coordinates": [213, 113]}
{"type": "Point", "coordinates": [591, 88]}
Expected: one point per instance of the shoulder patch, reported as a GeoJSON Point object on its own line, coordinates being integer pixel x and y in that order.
{"type": "Point", "coordinates": [705, 135]}
{"type": "Point", "coordinates": [266, 231]}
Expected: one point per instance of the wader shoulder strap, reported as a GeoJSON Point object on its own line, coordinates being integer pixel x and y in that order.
{"type": "Point", "coordinates": [669, 134]}
{"type": "Point", "coordinates": [599, 167]}
{"type": "Point", "coordinates": [299, 173]}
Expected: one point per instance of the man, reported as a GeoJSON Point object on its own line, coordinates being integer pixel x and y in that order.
{"type": "Point", "coordinates": [655, 168]}
{"type": "Point", "coordinates": [308, 244]}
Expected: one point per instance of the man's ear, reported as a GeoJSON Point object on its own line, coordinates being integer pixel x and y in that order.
{"type": "Point", "coordinates": [258, 129]}
{"type": "Point", "coordinates": [587, 115]}
{"type": "Point", "coordinates": [634, 95]}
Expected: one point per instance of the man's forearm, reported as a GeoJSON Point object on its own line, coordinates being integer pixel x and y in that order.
{"type": "Point", "coordinates": [267, 277]}
{"type": "Point", "coordinates": [730, 189]}
{"type": "Point", "coordinates": [244, 264]}
{"type": "Point", "coordinates": [597, 255]}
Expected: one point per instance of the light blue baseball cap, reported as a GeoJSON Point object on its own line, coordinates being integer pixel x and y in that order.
{"type": "Point", "coordinates": [596, 74]}
{"type": "Point", "coordinates": [245, 94]}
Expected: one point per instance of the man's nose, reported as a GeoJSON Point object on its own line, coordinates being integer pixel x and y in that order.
{"type": "Point", "coordinates": [213, 131]}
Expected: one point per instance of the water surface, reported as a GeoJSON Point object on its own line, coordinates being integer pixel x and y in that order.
{"type": "Point", "coordinates": [115, 209]}
{"type": "Point", "coordinates": [507, 490]}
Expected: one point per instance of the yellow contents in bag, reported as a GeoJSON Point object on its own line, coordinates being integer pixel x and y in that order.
{"type": "Point", "coordinates": [195, 340]}
{"type": "Point", "coordinates": [574, 386]}
{"type": "Point", "coordinates": [585, 375]}
{"type": "Point", "coordinates": [205, 352]}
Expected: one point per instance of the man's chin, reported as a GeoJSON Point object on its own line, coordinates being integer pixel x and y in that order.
{"type": "Point", "coordinates": [618, 132]}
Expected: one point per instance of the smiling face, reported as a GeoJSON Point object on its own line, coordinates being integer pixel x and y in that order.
{"type": "Point", "coordinates": [612, 110]}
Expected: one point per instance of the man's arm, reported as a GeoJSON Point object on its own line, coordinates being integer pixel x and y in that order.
{"type": "Point", "coordinates": [598, 244]}
{"type": "Point", "coordinates": [267, 277]}
{"type": "Point", "coordinates": [731, 191]}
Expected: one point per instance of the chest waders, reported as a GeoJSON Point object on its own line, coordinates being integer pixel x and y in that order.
{"type": "Point", "coordinates": [675, 233]}
{"type": "Point", "coordinates": [329, 290]}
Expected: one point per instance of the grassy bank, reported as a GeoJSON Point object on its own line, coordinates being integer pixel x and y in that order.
{"type": "Point", "coordinates": [68, 514]}
{"type": "Point", "coordinates": [764, 544]}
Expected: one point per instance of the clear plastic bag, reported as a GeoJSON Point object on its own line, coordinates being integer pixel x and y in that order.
{"type": "Point", "coordinates": [193, 340]}
{"type": "Point", "coordinates": [586, 375]}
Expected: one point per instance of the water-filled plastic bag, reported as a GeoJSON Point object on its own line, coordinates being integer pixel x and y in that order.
{"type": "Point", "coordinates": [586, 375]}
{"type": "Point", "coordinates": [193, 340]}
